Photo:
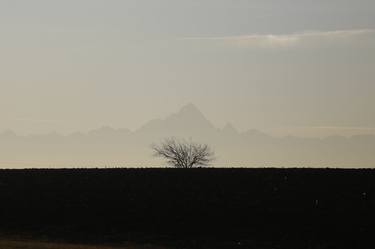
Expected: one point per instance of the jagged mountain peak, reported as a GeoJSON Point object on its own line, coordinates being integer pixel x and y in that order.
{"type": "Point", "coordinates": [229, 128]}
{"type": "Point", "coordinates": [190, 107]}
{"type": "Point", "coordinates": [188, 118]}
{"type": "Point", "coordinates": [190, 110]}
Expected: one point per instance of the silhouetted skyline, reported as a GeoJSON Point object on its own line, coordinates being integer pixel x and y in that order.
{"type": "Point", "coordinates": [280, 83]}
{"type": "Point", "coordinates": [110, 147]}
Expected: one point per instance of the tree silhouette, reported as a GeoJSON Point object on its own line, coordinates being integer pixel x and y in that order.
{"type": "Point", "coordinates": [184, 154]}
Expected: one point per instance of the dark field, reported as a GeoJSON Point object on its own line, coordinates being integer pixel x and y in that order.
{"type": "Point", "coordinates": [196, 208]}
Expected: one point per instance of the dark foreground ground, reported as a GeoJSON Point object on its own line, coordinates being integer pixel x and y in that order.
{"type": "Point", "coordinates": [197, 208]}
{"type": "Point", "coordinates": [34, 244]}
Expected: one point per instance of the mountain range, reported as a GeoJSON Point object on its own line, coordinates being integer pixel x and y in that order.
{"type": "Point", "coordinates": [109, 147]}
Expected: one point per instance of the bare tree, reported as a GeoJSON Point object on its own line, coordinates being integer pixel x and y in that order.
{"type": "Point", "coordinates": [184, 154]}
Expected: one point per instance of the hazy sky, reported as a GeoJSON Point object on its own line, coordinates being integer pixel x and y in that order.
{"type": "Point", "coordinates": [289, 66]}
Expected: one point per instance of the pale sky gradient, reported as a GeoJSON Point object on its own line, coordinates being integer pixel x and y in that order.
{"type": "Point", "coordinates": [287, 67]}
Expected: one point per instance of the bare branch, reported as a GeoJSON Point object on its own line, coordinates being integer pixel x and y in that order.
{"type": "Point", "coordinates": [183, 154]}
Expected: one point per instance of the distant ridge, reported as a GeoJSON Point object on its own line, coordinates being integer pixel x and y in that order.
{"type": "Point", "coordinates": [189, 119]}
{"type": "Point", "coordinates": [107, 146]}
